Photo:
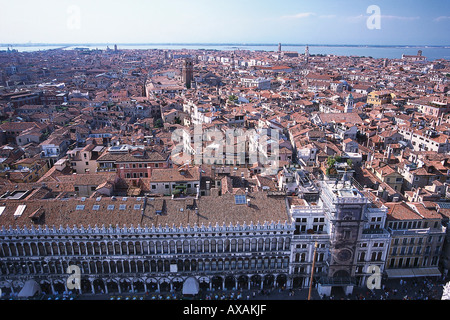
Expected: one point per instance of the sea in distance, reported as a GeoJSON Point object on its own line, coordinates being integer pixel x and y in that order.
{"type": "Point", "coordinates": [375, 51]}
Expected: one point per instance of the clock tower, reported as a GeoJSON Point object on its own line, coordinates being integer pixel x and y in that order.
{"type": "Point", "coordinates": [346, 207]}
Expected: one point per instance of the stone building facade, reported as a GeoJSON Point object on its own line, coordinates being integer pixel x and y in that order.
{"type": "Point", "coordinates": [148, 257]}
{"type": "Point", "coordinates": [239, 240]}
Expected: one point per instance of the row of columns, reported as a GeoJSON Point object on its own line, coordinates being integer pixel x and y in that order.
{"type": "Point", "coordinates": [146, 247]}
{"type": "Point", "coordinates": [140, 266]}
{"type": "Point", "coordinates": [147, 285]}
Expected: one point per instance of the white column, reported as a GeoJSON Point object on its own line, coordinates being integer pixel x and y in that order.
{"type": "Point", "coordinates": [52, 287]}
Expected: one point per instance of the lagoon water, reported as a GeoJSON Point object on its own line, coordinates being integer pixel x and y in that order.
{"type": "Point", "coordinates": [379, 52]}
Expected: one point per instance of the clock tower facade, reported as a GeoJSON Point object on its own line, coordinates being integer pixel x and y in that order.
{"type": "Point", "coordinates": [346, 209]}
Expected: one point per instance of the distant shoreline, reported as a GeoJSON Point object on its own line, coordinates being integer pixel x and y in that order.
{"type": "Point", "coordinates": [220, 45]}
{"type": "Point", "coordinates": [375, 51]}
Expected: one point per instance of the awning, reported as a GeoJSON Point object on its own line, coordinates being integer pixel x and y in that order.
{"type": "Point", "coordinates": [427, 272]}
{"type": "Point", "coordinates": [400, 273]}
{"type": "Point", "coordinates": [413, 272]}
{"type": "Point", "coordinates": [29, 289]}
{"type": "Point", "coordinates": [337, 281]}
{"type": "Point", "coordinates": [190, 286]}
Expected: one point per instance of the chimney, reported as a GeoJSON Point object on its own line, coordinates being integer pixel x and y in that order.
{"type": "Point", "coordinates": [416, 195]}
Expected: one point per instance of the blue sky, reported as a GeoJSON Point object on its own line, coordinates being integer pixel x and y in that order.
{"type": "Point", "coordinates": [403, 22]}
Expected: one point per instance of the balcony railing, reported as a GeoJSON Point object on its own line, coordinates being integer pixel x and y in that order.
{"type": "Point", "coordinates": [401, 232]}
{"type": "Point", "coordinates": [312, 237]}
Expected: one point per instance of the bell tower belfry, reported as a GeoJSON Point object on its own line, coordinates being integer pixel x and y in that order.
{"type": "Point", "coordinates": [349, 104]}
{"type": "Point", "coordinates": [187, 72]}
{"type": "Point", "coordinates": [307, 54]}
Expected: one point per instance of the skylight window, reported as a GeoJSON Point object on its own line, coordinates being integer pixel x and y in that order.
{"type": "Point", "coordinates": [122, 207]}
{"type": "Point", "coordinates": [137, 206]}
{"type": "Point", "coordinates": [111, 207]}
{"type": "Point", "coordinates": [20, 209]}
{"type": "Point", "coordinates": [80, 207]}
{"type": "Point", "coordinates": [240, 199]}
{"type": "Point", "coordinates": [96, 207]}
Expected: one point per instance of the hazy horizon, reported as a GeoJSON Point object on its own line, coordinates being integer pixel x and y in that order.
{"type": "Point", "coordinates": [222, 44]}
{"type": "Point", "coordinates": [345, 22]}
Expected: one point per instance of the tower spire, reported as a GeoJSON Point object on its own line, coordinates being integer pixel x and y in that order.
{"type": "Point", "coordinates": [307, 54]}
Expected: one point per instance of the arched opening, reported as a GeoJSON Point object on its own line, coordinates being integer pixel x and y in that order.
{"type": "Point", "coordinates": [138, 286]}
{"type": "Point", "coordinates": [217, 283]}
{"type": "Point", "coordinates": [99, 286]}
{"type": "Point", "coordinates": [297, 282]}
{"type": "Point", "coordinates": [59, 287]}
{"type": "Point", "coordinates": [281, 281]}
{"type": "Point", "coordinates": [152, 285]}
{"type": "Point", "coordinates": [85, 267]}
{"type": "Point", "coordinates": [85, 286]}
{"type": "Point", "coordinates": [242, 282]}
{"type": "Point", "coordinates": [45, 287]}
{"type": "Point", "coordinates": [17, 286]}
{"type": "Point", "coordinates": [341, 274]}
{"type": "Point", "coordinates": [203, 283]}
{"type": "Point", "coordinates": [230, 283]}
{"type": "Point", "coordinates": [133, 268]}
{"type": "Point", "coordinates": [164, 286]}
{"type": "Point", "coordinates": [268, 281]}
{"type": "Point", "coordinates": [106, 267]}
{"type": "Point", "coordinates": [177, 284]}
{"type": "Point", "coordinates": [140, 266]}
{"type": "Point", "coordinates": [112, 287]}
{"type": "Point", "coordinates": [255, 281]}
{"type": "Point", "coordinates": [187, 265]}
{"type": "Point", "coordinates": [125, 285]}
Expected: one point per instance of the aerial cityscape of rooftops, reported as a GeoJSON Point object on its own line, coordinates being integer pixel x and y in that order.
{"type": "Point", "coordinates": [226, 171]}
